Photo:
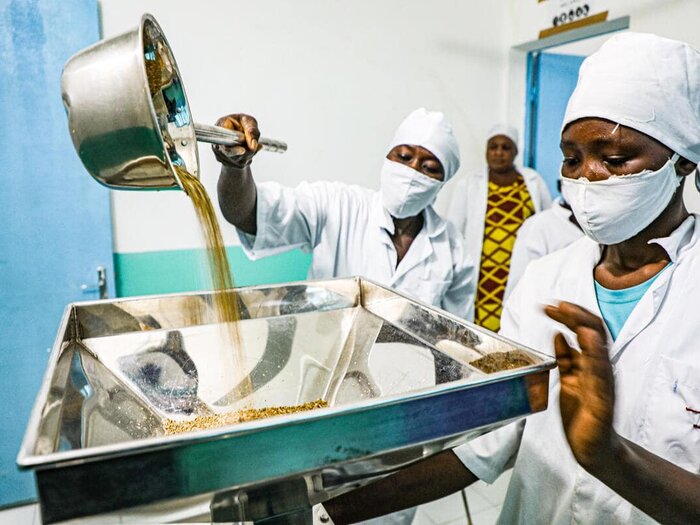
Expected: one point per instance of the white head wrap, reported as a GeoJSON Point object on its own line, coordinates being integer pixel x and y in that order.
{"type": "Point", "coordinates": [430, 130]}
{"type": "Point", "coordinates": [645, 82]}
{"type": "Point", "coordinates": [504, 129]}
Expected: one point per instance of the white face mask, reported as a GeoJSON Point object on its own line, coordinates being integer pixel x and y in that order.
{"type": "Point", "coordinates": [406, 192]}
{"type": "Point", "coordinates": [613, 210]}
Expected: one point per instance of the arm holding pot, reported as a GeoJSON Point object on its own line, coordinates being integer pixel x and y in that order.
{"type": "Point", "coordinates": [236, 188]}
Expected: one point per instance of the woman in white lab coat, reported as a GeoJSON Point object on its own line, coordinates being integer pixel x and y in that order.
{"type": "Point", "coordinates": [544, 233]}
{"type": "Point", "coordinates": [620, 440]}
{"type": "Point", "coordinates": [489, 207]}
{"type": "Point", "coordinates": [393, 236]}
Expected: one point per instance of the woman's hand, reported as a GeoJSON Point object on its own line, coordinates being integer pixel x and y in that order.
{"type": "Point", "coordinates": [587, 398]}
{"type": "Point", "coordinates": [666, 492]}
{"type": "Point", "coordinates": [238, 157]}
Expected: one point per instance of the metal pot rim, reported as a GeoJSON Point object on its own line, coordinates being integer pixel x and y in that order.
{"type": "Point", "coordinates": [149, 18]}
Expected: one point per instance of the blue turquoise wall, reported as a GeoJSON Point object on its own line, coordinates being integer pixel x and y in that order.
{"type": "Point", "coordinates": [173, 271]}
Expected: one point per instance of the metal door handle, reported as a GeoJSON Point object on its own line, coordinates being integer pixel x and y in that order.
{"type": "Point", "coordinates": [101, 287]}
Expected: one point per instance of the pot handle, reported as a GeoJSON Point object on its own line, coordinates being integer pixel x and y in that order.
{"type": "Point", "coordinates": [227, 137]}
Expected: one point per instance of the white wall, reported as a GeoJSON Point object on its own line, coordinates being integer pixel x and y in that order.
{"type": "Point", "coordinates": [676, 19]}
{"type": "Point", "coordinates": [333, 78]}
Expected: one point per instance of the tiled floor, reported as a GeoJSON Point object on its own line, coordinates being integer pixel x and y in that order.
{"type": "Point", "coordinates": [25, 515]}
{"type": "Point", "coordinates": [484, 504]}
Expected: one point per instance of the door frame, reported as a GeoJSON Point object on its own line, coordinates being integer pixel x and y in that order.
{"type": "Point", "coordinates": [533, 49]}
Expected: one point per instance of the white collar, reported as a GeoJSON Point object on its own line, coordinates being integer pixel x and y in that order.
{"type": "Point", "coordinates": [673, 244]}
{"type": "Point", "coordinates": [680, 237]}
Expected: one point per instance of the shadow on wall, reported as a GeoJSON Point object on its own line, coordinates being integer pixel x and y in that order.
{"type": "Point", "coordinates": [174, 271]}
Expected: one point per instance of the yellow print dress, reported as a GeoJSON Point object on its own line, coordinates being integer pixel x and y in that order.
{"type": "Point", "coordinates": [506, 210]}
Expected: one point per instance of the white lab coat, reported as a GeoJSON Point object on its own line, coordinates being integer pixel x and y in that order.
{"type": "Point", "coordinates": [347, 229]}
{"type": "Point", "coordinates": [543, 233]}
{"type": "Point", "coordinates": [467, 207]}
{"type": "Point", "coordinates": [656, 361]}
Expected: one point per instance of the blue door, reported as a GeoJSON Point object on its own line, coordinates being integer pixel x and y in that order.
{"type": "Point", "coordinates": [55, 226]}
{"type": "Point", "coordinates": [551, 80]}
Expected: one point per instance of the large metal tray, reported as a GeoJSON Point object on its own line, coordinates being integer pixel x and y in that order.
{"type": "Point", "coordinates": [395, 372]}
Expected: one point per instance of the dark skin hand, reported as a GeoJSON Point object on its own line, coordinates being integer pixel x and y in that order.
{"type": "Point", "coordinates": [664, 491]}
{"type": "Point", "coordinates": [597, 149]}
{"type": "Point", "coordinates": [500, 158]}
{"type": "Point", "coordinates": [238, 195]}
{"type": "Point", "coordinates": [236, 187]}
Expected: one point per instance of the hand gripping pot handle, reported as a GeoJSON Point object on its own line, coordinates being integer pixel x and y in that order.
{"type": "Point", "coordinates": [228, 137]}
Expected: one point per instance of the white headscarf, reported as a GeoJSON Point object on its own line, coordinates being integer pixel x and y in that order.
{"type": "Point", "coordinates": [504, 129]}
{"type": "Point", "coordinates": [430, 130]}
{"type": "Point", "coordinates": [645, 82]}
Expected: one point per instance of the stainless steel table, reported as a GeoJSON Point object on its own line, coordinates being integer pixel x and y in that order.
{"type": "Point", "coordinates": [396, 373]}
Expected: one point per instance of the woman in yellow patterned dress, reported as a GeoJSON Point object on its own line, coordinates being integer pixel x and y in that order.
{"type": "Point", "coordinates": [489, 208]}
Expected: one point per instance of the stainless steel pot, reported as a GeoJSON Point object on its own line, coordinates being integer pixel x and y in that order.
{"type": "Point", "coordinates": [128, 113]}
